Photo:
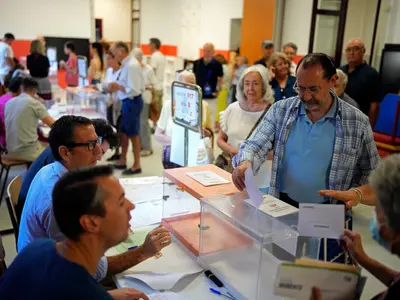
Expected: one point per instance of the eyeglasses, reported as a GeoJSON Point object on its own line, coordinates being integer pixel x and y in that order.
{"type": "Point", "coordinates": [302, 90]}
{"type": "Point", "coordinates": [353, 49]}
{"type": "Point", "coordinates": [91, 145]}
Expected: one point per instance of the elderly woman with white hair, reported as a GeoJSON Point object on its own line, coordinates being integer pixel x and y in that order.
{"type": "Point", "coordinates": [340, 86]}
{"type": "Point", "coordinates": [254, 95]}
{"type": "Point", "coordinates": [385, 182]}
{"type": "Point", "coordinates": [150, 81]}
{"type": "Point", "coordinates": [163, 132]}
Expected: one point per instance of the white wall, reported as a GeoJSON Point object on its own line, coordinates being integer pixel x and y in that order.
{"type": "Point", "coordinates": [189, 24]}
{"type": "Point", "coordinates": [27, 19]}
{"type": "Point", "coordinates": [117, 18]}
{"type": "Point", "coordinates": [297, 23]}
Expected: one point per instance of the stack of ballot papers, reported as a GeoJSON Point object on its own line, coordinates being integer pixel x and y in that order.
{"type": "Point", "coordinates": [336, 281]}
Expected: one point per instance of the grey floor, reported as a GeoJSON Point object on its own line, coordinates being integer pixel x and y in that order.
{"type": "Point", "coordinates": [152, 166]}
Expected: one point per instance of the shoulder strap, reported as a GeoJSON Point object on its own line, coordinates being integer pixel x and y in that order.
{"type": "Point", "coordinates": [258, 121]}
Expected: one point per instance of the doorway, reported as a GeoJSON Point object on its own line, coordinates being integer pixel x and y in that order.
{"type": "Point", "coordinates": [327, 28]}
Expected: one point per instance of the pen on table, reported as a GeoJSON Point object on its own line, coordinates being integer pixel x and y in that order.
{"type": "Point", "coordinates": [220, 294]}
{"type": "Point", "coordinates": [210, 275]}
{"type": "Point", "coordinates": [133, 247]}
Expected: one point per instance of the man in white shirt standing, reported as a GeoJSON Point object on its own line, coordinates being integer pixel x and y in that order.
{"type": "Point", "coordinates": [6, 56]}
{"type": "Point", "coordinates": [158, 62]}
{"type": "Point", "coordinates": [128, 87]}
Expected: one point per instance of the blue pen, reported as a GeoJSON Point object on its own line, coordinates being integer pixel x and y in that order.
{"type": "Point", "coordinates": [220, 294]}
{"type": "Point", "coordinates": [133, 247]}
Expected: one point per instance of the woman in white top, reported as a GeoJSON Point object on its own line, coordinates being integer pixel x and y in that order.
{"type": "Point", "coordinates": [96, 68]}
{"type": "Point", "coordinates": [163, 132]}
{"type": "Point", "coordinates": [254, 96]}
{"type": "Point", "coordinates": [150, 82]}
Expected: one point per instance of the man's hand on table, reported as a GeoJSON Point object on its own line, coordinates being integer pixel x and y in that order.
{"type": "Point", "coordinates": [155, 241]}
{"type": "Point", "coordinates": [238, 174]}
{"type": "Point", "coordinates": [128, 294]}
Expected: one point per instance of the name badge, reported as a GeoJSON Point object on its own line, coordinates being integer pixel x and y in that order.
{"type": "Point", "coordinates": [207, 89]}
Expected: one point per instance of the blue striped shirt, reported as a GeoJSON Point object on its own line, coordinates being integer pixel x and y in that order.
{"type": "Point", "coordinates": [354, 155]}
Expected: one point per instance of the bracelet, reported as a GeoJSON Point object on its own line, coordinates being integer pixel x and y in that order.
{"type": "Point", "coordinates": [359, 194]}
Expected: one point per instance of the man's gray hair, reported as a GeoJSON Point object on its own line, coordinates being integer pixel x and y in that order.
{"type": "Point", "coordinates": [268, 94]}
{"type": "Point", "coordinates": [385, 181]}
{"type": "Point", "coordinates": [291, 45]}
{"type": "Point", "coordinates": [122, 45]}
{"type": "Point", "coordinates": [343, 79]}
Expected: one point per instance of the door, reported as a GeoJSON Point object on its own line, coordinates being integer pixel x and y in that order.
{"type": "Point", "coordinates": [327, 28]}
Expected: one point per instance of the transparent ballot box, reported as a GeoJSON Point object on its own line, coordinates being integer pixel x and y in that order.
{"type": "Point", "coordinates": [87, 102]}
{"type": "Point", "coordinates": [181, 202]}
{"type": "Point", "coordinates": [243, 246]}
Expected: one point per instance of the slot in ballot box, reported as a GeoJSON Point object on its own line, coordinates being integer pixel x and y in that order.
{"type": "Point", "coordinates": [181, 205]}
{"type": "Point", "coordinates": [243, 246]}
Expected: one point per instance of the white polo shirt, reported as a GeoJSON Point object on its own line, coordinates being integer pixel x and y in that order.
{"type": "Point", "coordinates": [158, 62]}
{"type": "Point", "coordinates": [5, 52]}
{"type": "Point", "coordinates": [131, 78]}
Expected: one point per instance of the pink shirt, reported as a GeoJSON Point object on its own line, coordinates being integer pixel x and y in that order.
{"type": "Point", "coordinates": [72, 78]}
{"type": "Point", "coordinates": [3, 100]}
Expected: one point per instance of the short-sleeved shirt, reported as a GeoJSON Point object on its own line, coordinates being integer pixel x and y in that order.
{"type": "Point", "coordinates": [158, 62]}
{"type": "Point", "coordinates": [72, 78]}
{"type": "Point", "coordinates": [37, 220]}
{"type": "Point", "coordinates": [38, 65]}
{"type": "Point", "coordinates": [44, 159]}
{"type": "Point", "coordinates": [40, 272]}
{"type": "Point", "coordinates": [22, 115]}
{"type": "Point", "coordinates": [283, 93]}
{"type": "Point", "coordinates": [3, 100]}
{"type": "Point", "coordinates": [131, 78]}
{"type": "Point", "coordinates": [5, 52]}
{"type": "Point", "coordinates": [207, 74]}
{"type": "Point", "coordinates": [307, 158]}
{"type": "Point", "coordinates": [363, 86]}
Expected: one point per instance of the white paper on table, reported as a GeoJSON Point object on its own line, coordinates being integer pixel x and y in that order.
{"type": "Point", "coordinates": [143, 189]}
{"type": "Point", "coordinates": [165, 296]}
{"type": "Point", "coordinates": [178, 145]}
{"type": "Point", "coordinates": [207, 178]}
{"type": "Point", "coordinates": [146, 213]}
{"type": "Point", "coordinates": [173, 258]}
{"type": "Point", "coordinates": [194, 139]}
{"type": "Point", "coordinates": [275, 207]}
{"type": "Point", "coordinates": [252, 189]}
{"type": "Point", "coordinates": [160, 281]}
{"type": "Point", "coordinates": [297, 281]}
{"type": "Point", "coordinates": [321, 220]}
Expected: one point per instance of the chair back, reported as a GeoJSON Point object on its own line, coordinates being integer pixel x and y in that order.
{"type": "Point", "coordinates": [388, 118]}
{"type": "Point", "coordinates": [12, 199]}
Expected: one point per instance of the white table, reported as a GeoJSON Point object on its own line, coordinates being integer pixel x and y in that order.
{"type": "Point", "coordinates": [193, 287]}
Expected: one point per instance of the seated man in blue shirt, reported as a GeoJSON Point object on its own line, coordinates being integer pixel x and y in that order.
{"type": "Point", "coordinates": [319, 141]}
{"type": "Point", "coordinates": [92, 212]}
{"type": "Point", "coordinates": [74, 145]}
{"type": "Point", "coordinates": [109, 140]}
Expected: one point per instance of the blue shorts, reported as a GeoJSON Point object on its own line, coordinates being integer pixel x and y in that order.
{"type": "Point", "coordinates": [130, 116]}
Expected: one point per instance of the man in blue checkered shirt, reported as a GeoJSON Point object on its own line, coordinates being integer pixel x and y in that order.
{"type": "Point", "coordinates": [319, 141]}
